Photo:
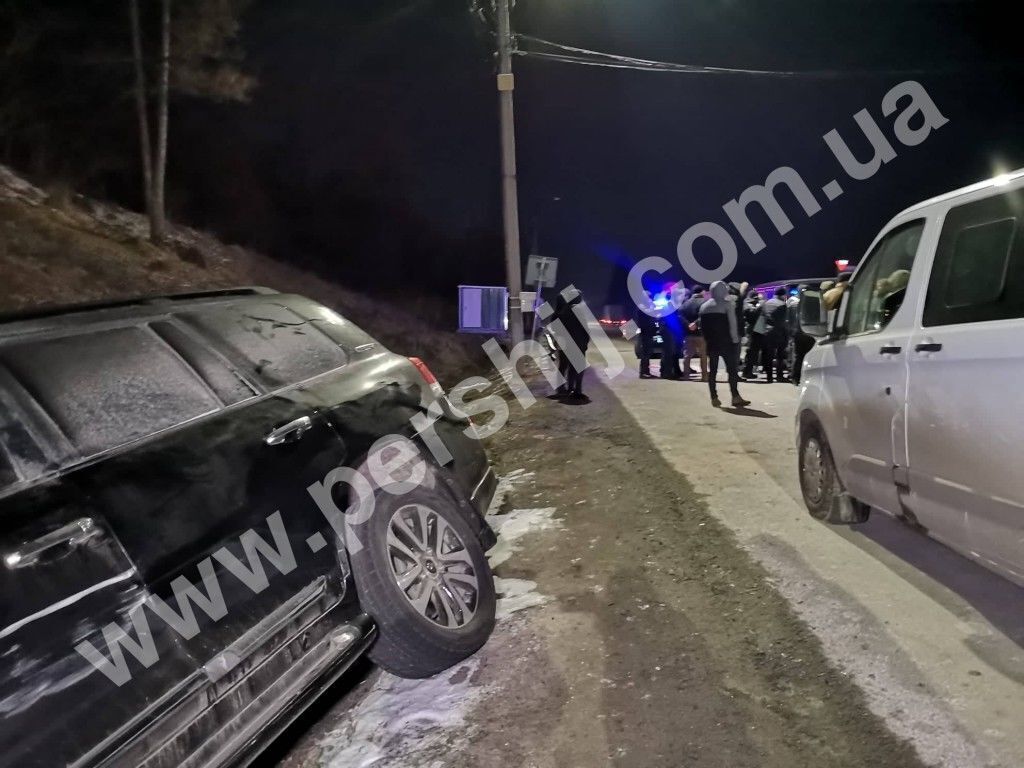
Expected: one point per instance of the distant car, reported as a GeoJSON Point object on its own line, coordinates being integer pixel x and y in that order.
{"type": "Point", "coordinates": [145, 445]}
{"type": "Point", "coordinates": [912, 405]}
{"type": "Point", "coordinates": [613, 318]}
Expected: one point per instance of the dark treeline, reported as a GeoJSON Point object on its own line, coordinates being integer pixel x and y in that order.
{"type": "Point", "coordinates": [239, 163]}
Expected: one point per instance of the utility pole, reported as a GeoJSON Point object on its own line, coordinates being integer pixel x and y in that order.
{"type": "Point", "coordinates": [509, 189]}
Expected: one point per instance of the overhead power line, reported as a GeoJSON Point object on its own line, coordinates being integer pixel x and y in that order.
{"type": "Point", "coordinates": [583, 56]}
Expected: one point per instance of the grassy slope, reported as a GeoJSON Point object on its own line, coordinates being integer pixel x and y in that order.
{"type": "Point", "coordinates": [74, 250]}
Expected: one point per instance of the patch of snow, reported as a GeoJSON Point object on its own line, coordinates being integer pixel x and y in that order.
{"type": "Point", "coordinates": [506, 484]}
{"type": "Point", "coordinates": [399, 720]}
{"type": "Point", "coordinates": [516, 595]}
{"type": "Point", "coordinates": [12, 186]}
{"type": "Point", "coordinates": [516, 524]}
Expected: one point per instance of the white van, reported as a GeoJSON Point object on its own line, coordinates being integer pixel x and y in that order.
{"type": "Point", "coordinates": [914, 402]}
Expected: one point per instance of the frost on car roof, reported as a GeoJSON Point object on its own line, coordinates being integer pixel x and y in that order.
{"type": "Point", "coordinates": [107, 388]}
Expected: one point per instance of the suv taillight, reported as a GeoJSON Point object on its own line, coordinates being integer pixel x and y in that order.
{"type": "Point", "coordinates": [428, 376]}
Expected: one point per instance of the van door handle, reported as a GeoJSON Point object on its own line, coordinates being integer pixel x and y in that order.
{"type": "Point", "coordinates": [929, 346]}
{"type": "Point", "coordinates": [69, 537]}
{"type": "Point", "coordinates": [889, 349]}
{"type": "Point", "coordinates": [290, 432]}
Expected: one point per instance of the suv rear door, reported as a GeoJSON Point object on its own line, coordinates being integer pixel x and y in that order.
{"type": "Point", "coordinates": [965, 395]}
{"type": "Point", "coordinates": [67, 585]}
{"type": "Point", "coordinates": [201, 474]}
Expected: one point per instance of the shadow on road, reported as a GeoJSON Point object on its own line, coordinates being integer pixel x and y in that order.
{"type": "Point", "coordinates": [752, 413]}
{"type": "Point", "coordinates": [995, 598]}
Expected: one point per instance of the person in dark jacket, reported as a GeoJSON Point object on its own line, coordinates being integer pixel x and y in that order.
{"type": "Point", "coordinates": [648, 326]}
{"type": "Point", "coordinates": [803, 342]}
{"type": "Point", "coordinates": [736, 293]}
{"type": "Point", "coordinates": [672, 335]}
{"type": "Point", "coordinates": [775, 312]}
{"type": "Point", "coordinates": [694, 344]}
{"type": "Point", "coordinates": [755, 342]}
{"type": "Point", "coordinates": [721, 335]}
{"type": "Point", "coordinates": [570, 330]}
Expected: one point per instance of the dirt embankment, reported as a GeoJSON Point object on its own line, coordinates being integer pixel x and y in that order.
{"type": "Point", "coordinates": [67, 249]}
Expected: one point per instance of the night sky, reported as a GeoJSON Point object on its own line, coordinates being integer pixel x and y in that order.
{"type": "Point", "coordinates": [380, 118]}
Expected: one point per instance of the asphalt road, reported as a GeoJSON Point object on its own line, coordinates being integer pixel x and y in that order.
{"type": "Point", "coordinates": [934, 641]}
{"type": "Point", "coordinates": [666, 601]}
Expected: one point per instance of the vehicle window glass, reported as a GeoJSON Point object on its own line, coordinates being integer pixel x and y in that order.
{"type": "Point", "coordinates": [213, 369]}
{"type": "Point", "coordinates": [7, 474]}
{"type": "Point", "coordinates": [20, 456]}
{"type": "Point", "coordinates": [277, 345]}
{"type": "Point", "coordinates": [977, 268]}
{"type": "Point", "coordinates": [106, 388]}
{"type": "Point", "coordinates": [978, 273]}
{"type": "Point", "coordinates": [880, 287]}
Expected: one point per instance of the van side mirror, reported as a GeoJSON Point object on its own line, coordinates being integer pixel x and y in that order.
{"type": "Point", "coordinates": [812, 318]}
{"type": "Point", "coordinates": [837, 317]}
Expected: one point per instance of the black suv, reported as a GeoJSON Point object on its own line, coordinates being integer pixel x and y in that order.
{"type": "Point", "coordinates": [210, 505]}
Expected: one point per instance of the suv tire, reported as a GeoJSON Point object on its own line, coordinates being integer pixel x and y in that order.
{"type": "Point", "coordinates": [433, 600]}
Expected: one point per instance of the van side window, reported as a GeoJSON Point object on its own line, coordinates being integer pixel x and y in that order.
{"type": "Point", "coordinates": [880, 286]}
{"type": "Point", "coordinates": [978, 273]}
{"type": "Point", "coordinates": [271, 341]}
{"type": "Point", "coordinates": [106, 388]}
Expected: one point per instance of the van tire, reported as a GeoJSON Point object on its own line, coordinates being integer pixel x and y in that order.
{"type": "Point", "coordinates": [822, 489]}
{"type": "Point", "coordinates": [410, 643]}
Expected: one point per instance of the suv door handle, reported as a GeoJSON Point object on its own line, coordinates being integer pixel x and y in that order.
{"type": "Point", "coordinates": [890, 349]}
{"type": "Point", "coordinates": [290, 432]}
{"type": "Point", "coordinates": [69, 537]}
{"type": "Point", "coordinates": [929, 346]}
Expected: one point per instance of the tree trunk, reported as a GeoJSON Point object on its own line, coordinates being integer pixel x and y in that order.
{"type": "Point", "coordinates": [145, 140]}
{"type": "Point", "coordinates": [158, 218]}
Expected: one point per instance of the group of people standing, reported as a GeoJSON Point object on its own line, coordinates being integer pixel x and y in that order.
{"type": "Point", "coordinates": [710, 326]}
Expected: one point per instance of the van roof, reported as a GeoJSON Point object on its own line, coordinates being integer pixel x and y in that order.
{"type": "Point", "coordinates": [1001, 180]}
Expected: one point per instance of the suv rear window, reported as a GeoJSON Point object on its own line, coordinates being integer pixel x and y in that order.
{"type": "Point", "coordinates": [106, 388]}
{"type": "Point", "coordinates": [277, 345]}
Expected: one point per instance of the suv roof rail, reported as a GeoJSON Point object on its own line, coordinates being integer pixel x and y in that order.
{"type": "Point", "coordinates": [56, 310]}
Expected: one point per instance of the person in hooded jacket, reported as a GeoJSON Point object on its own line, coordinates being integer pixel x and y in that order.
{"type": "Point", "coordinates": [722, 339]}
{"type": "Point", "coordinates": [570, 330]}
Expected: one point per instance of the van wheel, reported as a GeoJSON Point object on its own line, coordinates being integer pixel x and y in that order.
{"type": "Point", "coordinates": [422, 575]}
{"type": "Point", "coordinates": [822, 489]}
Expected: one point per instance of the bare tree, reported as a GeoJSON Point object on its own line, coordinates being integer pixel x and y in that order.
{"type": "Point", "coordinates": [207, 64]}
{"type": "Point", "coordinates": [142, 110]}
{"type": "Point", "coordinates": [158, 218]}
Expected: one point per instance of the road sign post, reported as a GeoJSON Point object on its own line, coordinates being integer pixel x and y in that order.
{"type": "Point", "coordinates": [541, 272]}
